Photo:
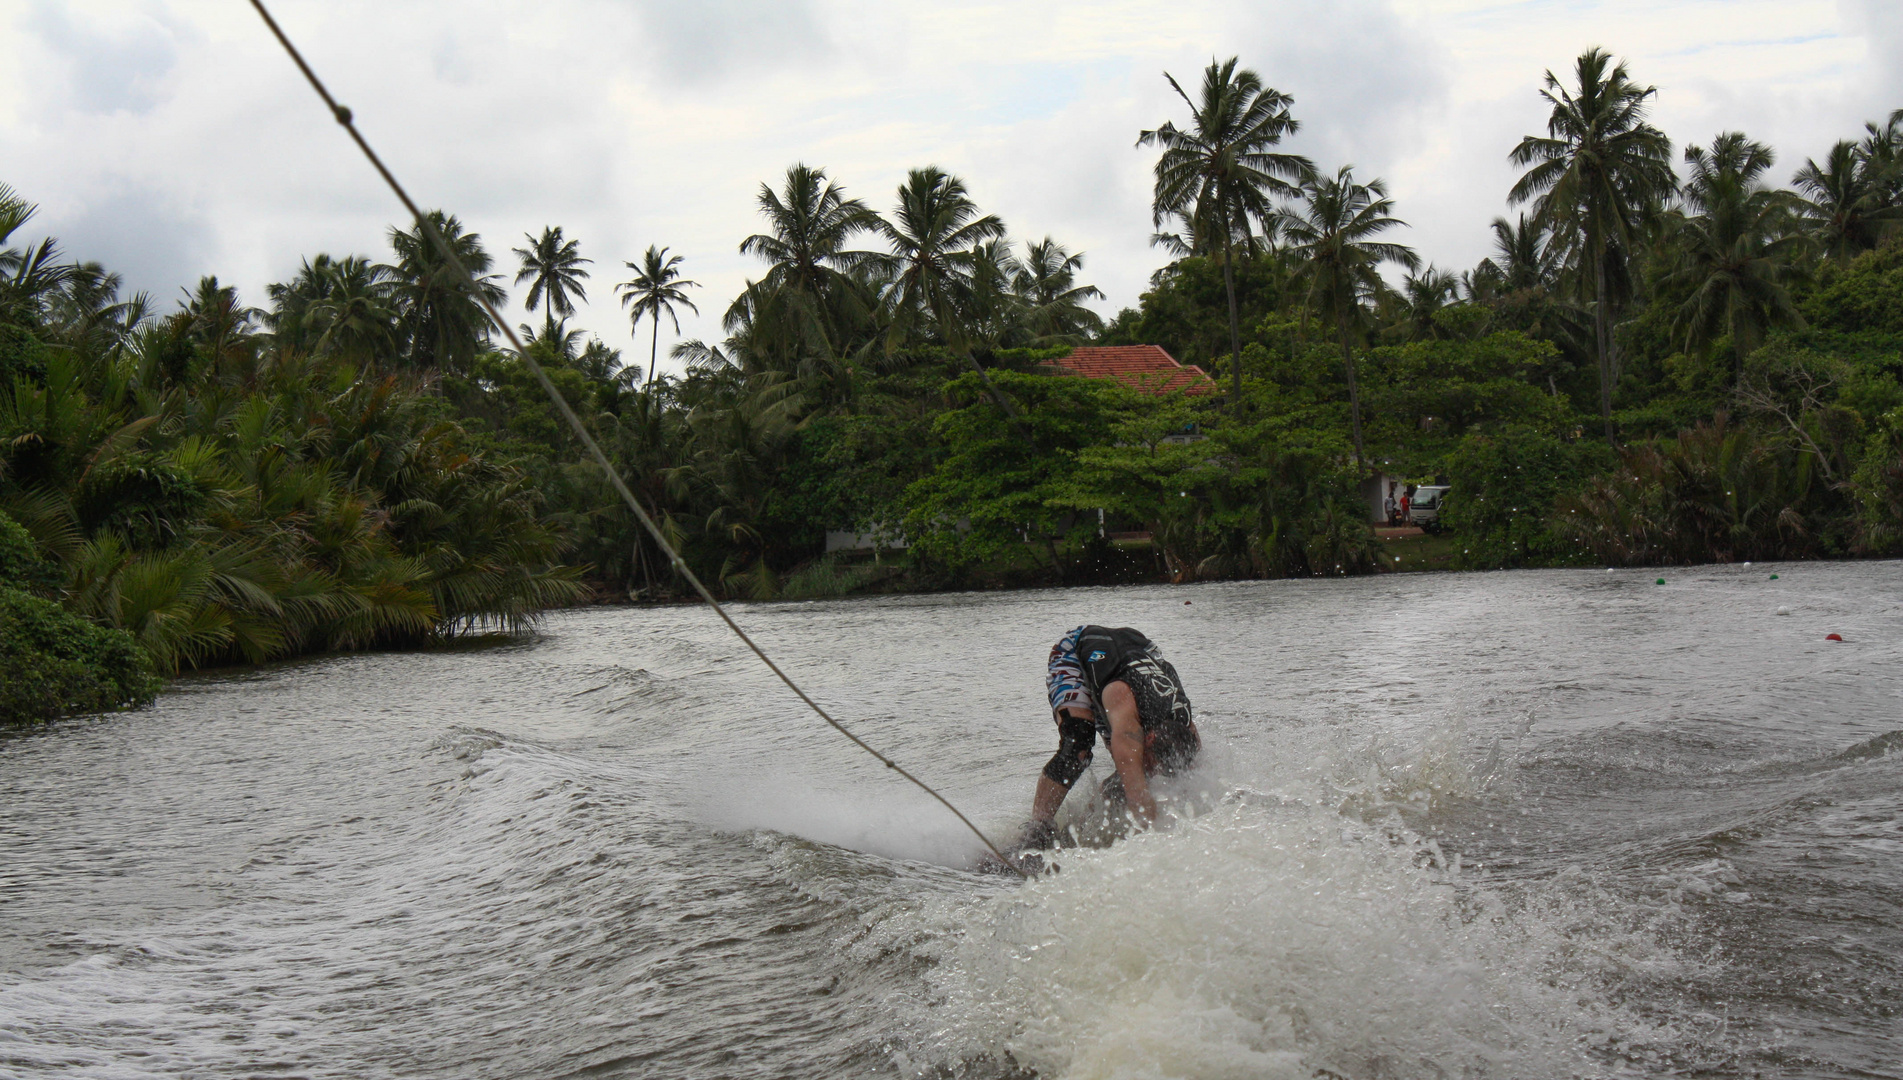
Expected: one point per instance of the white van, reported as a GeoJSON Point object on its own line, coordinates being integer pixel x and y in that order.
{"type": "Point", "coordinates": [1424, 508]}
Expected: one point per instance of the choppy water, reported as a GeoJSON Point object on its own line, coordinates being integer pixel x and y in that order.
{"type": "Point", "coordinates": [1505, 825]}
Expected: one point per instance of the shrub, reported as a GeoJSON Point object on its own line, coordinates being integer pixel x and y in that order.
{"type": "Point", "coordinates": [1503, 490]}
{"type": "Point", "coordinates": [1878, 487]}
{"type": "Point", "coordinates": [1866, 296]}
{"type": "Point", "coordinates": [53, 663]}
{"type": "Point", "coordinates": [1716, 493]}
{"type": "Point", "coordinates": [21, 565]}
{"type": "Point", "coordinates": [21, 354]}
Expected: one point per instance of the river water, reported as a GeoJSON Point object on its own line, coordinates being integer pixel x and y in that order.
{"type": "Point", "coordinates": [1538, 824]}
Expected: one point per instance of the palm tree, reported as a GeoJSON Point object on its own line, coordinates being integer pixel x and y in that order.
{"type": "Point", "coordinates": [1738, 253]}
{"type": "Point", "coordinates": [1882, 148]}
{"type": "Point", "coordinates": [1220, 174]}
{"type": "Point", "coordinates": [220, 327]}
{"type": "Point", "coordinates": [554, 342]}
{"type": "Point", "coordinates": [1525, 259]}
{"type": "Point", "coordinates": [88, 314]}
{"type": "Point", "coordinates": [1423, 295]}
{"type": "Point", "coordinates": [933, 232]}
{"type": "Point", "coordinates": [29, 277]}
{"type": "Point", "coordinates": [443, 318]}
{"type": "Point", "coordinates": [1848, 201]}
{"type": "Point", "coordinates": [810, 300]}
{"type": "Point", "coordinates": [552, 266]}
{"type": "Point", "coordinates": [289, 315]}
{"type": "Point", "coordinates": [653, 291]}
{"type": "Point", "coordinates": [1330, 235]}
{"type": "Point", "coordinates": [1046, 282]}
{"type": "Point", "coordinates": [995, 313]}
{"type": "Point", "coordinates": [356, 317]}
{"type": "Point", "coordinates": [1598, 169]}
{"type": "Point", "coordinates": [1520, 280]}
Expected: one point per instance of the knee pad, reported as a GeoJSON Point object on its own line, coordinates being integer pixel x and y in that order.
{"type": "Point", "coordinates": [1074, 741]}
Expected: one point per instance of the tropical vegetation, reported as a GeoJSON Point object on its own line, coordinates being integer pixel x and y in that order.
{"type": "Point", "coordinates": [1667, 357]}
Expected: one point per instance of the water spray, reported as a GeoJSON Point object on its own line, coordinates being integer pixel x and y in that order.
{"type": "Point", "coordinates": [346, 119]}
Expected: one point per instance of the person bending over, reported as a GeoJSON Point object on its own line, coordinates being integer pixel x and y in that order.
{"type": "Point", "coordinates": [1114, 683]}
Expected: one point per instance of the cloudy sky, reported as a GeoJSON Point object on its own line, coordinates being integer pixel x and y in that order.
{"type": "Point", "coordinates": [170, 138]}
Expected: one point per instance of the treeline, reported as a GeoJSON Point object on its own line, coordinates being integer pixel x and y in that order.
{"type": "Point", "coordinates": [1669, 357]}
{"type": "Point", "coordinates": [219, 484]}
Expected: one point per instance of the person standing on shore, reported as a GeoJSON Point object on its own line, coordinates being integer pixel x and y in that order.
{"type": "Point", "coordinates": [1115, 683]}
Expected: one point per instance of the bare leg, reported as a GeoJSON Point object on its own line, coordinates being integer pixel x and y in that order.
{"type": "Point", "coordinates": [1050, 796]}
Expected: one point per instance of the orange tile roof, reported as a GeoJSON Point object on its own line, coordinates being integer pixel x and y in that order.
{"type": "Point", "coordinates": [1144, 367]}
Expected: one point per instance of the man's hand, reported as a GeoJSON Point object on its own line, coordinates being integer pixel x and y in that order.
{"type": "Point", "coordinates": [1036, 835]}
{"type": "Point", "coordinates": [1126, 749]}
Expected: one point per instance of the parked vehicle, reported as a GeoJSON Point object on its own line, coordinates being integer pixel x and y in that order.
{"type": "Point", "coordinates": [1424, 508]}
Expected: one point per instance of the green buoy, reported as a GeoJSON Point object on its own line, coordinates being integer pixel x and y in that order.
{"type": "Point", "coordinates": [1660, 581]}
{"type": "Point", "coordinates": [1773, 577]}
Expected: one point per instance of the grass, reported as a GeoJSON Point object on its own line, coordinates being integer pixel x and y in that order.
{"type": "Point", "coordinates": [1406, 554]}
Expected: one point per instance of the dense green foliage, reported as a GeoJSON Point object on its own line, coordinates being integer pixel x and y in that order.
{"type": "Point", "coordinates": [221, 484]}
{"type": "Point", "coordinates": [53, 662]}
{"type": "Point", "coordinates": [1647, 369]}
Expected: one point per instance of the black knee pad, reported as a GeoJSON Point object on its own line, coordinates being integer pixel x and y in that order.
{"type": "Point", "coordinates": [1075, 738]}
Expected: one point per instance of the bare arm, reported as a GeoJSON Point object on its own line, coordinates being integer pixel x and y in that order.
{"type": "Point", "coordinates": [1126, 749]}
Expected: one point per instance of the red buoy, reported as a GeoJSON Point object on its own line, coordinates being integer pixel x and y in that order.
{"type": "Point", "coordinates": [1833, 637]}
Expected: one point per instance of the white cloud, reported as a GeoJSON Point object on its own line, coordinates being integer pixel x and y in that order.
{"type": "Point", "coordinates": [169, 138]}
{"type": "Point", "coordinates": [103, 70]}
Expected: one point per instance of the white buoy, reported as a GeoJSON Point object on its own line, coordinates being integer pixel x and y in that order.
{"type": "Point", "coordinates": [1783, 611]}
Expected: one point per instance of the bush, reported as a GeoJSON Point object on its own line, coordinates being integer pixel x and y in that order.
{"type": "Point", "coordinates": [1866, 296]}
{"type": "Point", "coordinates": [53, 663]}
{"type": "Point", "coordinates": [1503, 490]}
{"type": "Point", "coordinates": [21, 354]}
{"type": "Point", "coordinates": [21, 565]}
{"type": "Point", "coordinates": [1878, 487]}
{"type": "Point", "coordinates": [1716, 493]}
{"type": "Point", "coordinates": [828, 577]}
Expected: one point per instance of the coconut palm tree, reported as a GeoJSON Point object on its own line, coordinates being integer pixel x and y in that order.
{"type": "Point", "coordinates": [995, 314]}
{"type": "Point", "coordinates": [443, 318]}
{"type": "Point", "coordinates": [221, 329]}
{"type": "Point", "coordinates": [553, 268]}
{"type": "Point", "coordinates": [1046, 283]}
{"type": "Point", "coordinates": [810, 300]}
{"type": "Point", "coordinates": [88, 315]}
{"type": "Point", "coordinates": [29, 276]}
{"type": "Point", "coordinates": [933, 232]}
{"type": "Point", "coordinates": [656, 287]}
{"type": "Point", "coordinates": [1422, 296]}
{"type": "Point", "coordinates": [357, 316]}
{"type": "Point", "coordinates": [1739, 251]}
{"type": "Point", "coordinates": [1220, 174]}
{"type": "Point", "coordinates": [1597, 170]}
{"type": "Point", "coordinates": [1330, 234]}
{"type": "Point", "coordinates": [554, 342]}
{"type": "Point", "coordinates": [1526, 260]}
{"type": "Point", "coordinates": [1882, 148]}
{"type": "Point", "coordinates": [1847, 201]}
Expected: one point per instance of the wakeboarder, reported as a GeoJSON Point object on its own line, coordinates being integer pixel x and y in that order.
{"type": "Point", "coordinates": [1112, 682]}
